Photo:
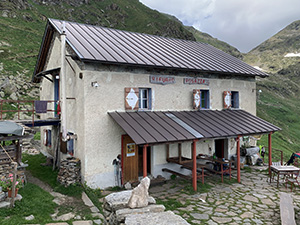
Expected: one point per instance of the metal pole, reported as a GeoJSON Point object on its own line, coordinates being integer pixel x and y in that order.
{"type": "Point", "coordinates": [238, 163]}
{"type": "Point", "coordinates": [194, 166]}
{"type": "Point", "coordinates": [270, 151]}
{"type": "Point", "coordinates": [145, 160]}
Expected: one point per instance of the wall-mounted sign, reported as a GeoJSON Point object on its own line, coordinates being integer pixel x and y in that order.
{"type": "Point", "coordinates": [157, 79]}
{"type": "Point", "coordinates": [195, 80]}
{"type": "Point", "coordinates": [130, 149]}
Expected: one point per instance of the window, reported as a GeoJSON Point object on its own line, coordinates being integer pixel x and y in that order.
{"type": "Point", "coordinates": [204, 99]}
{"type": "Point", "coordinates": [231, 99]}
{"type": "Point", "coordinates": [137, 98]}
{"type": "Point", "coordinates": [201, 99]}
{"type": "Point", "coordinates": [235, 99]}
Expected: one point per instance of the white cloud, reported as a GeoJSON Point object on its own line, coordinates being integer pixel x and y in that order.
{"type": "Point", "coordinates": [241, 23]}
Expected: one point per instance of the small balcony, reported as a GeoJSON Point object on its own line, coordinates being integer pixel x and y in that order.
{"type": "Point", "coordinates": [30, 112]}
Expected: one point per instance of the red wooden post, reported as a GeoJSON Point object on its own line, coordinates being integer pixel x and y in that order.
{"type": "Point", "coordinates": [145, 160]}
{"type": "Point", "coordinates": [194, 166]}
{"type": "Point", "coordinates": [270, 152]}
{"type": "Point", "coordinates": [238, 163]}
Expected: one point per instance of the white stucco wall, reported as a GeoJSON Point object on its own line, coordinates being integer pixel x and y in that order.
{"type": "Point", "coordinates": [99, 137]}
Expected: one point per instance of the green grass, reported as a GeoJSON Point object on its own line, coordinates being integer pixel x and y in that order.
{"type": "Point", "coordinates": [36, 202]}
{"type": "Point", "coordinates": [47, 175]}
{"type": "Point", "coordinates": [170, 203]}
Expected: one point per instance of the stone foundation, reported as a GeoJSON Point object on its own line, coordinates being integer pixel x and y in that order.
{"type": "Point", "coordinates": [69, 172]}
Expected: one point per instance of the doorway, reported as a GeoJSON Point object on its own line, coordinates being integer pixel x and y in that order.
{"type": "Point", "coordinates": [219, 148]}
{"type": "Point", "coordinates": [129, 160]}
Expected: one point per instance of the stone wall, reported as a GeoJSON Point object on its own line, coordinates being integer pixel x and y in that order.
{"type": "Point", "coordinates": [69, 172]}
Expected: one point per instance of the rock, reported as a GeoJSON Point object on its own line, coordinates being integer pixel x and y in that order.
{"type": "Point", "coordinates": [88, 222]}
{"type": "Point", "coordinates": [97, 221]}
{"type": "Point", "coordinates": [4, 204]}
{"type": "Point", "coordinates": [86, 200]}
{"type": "Point", "coordinates": [139, 196]}
{"type": "Point", "coordinates": [31, 217]}
{"type": "Point", "coordinates": [117, 200]}
{"type": "Point", "coordinates": [163, 218]}
{"type": "Point", "coordinates": [128, 186]}
{"type": "Point", "coordinates": [121, 214]}
{"type": "Point", "coordinates": [94, 209]}
{"type": "Point", "coordinates": [66, 217]}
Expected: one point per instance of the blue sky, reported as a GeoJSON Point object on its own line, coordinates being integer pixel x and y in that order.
{"type": "Point", "coordinates": [243, 24]}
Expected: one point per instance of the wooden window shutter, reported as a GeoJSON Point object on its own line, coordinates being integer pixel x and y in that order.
{"type": "Point", "coordinates": [131, 98]}
{"type": "Point", "coordinates": [227, 99]}
{"type": "Point", "coordinates": [196, 99]}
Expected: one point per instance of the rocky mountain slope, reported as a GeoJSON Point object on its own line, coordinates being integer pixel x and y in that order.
{"type": "Point", "coordinates": [279, 101]}
{"type": "Point", "coordinates": [22, 25]}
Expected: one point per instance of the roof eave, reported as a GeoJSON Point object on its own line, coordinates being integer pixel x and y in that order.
{"type": "Point", "coordinates": [263, 75]}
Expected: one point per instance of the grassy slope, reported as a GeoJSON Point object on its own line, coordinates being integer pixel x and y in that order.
{"type": "Point", "coordinates": [279, 101]}
{"type": "Point", "coordinates": [23, 29]}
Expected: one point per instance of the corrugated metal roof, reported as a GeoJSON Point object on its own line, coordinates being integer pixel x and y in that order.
{"type": "Point", "coordinates": [176, 126]}
{"type": "Point", "coordinates": [116, 46]}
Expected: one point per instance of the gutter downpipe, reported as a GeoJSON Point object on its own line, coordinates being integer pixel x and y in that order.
{"type": "Point", "coordinates": [63, 84]}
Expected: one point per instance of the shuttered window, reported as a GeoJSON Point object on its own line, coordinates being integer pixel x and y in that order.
{"type": "Point", "coordinates": [227, 99]}
{"type": "Point", "coordinates": [200, 99]}
{"type": "Point", "coordinates": [231, 99]}
{"type": "Point", "coordinates": [131, 98]}
{"type": "Point", "coordinates": [196, 99]}
{"type": "Point", "coordinates": [138, 98]}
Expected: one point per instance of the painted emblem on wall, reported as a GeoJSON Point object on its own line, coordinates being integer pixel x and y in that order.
{"type": "Point", "coordinates": [130, 149]}
{"type": "Point", "coordinates": [132, 98]}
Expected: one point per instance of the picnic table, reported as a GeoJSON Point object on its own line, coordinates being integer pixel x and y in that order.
{"type": "Point", "coordinates": [283, 170]}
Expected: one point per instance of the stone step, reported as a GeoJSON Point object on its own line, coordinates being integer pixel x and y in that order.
{"type": "Point", "coordinates": [161, 218]}
{"type": "Point", "coordinates": [121, 214]}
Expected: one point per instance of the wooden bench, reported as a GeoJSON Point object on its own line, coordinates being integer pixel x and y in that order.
{"type": "Point", "coordinates": [287, 213]}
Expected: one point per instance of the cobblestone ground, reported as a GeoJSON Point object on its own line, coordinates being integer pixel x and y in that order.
{"type": "Point", "coordinates": [253, 201]}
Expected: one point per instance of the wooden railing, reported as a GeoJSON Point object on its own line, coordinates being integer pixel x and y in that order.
{"type": "Point", "coordinates": [6, 105]}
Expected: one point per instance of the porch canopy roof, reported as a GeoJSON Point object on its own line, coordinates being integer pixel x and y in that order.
{"type": "Point", "coordinates": [145, 127]}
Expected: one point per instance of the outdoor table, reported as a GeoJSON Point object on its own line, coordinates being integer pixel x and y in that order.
{"type": "Point", "coordinates": [221, 162]}
{"type": "Point", "coordinates": [283, 170]}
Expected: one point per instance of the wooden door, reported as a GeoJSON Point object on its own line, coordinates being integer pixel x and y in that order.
{"type": "Point", "coordinates": [130, 159]}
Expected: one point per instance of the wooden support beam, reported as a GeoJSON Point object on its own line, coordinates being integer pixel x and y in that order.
{"type": "Point", "coordinates": [270, 151]}
{"type": "Point", "coordinates": [238, 164]}
{"type": "Point", "coordinates": [145, 160]}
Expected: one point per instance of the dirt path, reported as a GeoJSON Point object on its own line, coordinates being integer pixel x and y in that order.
{"type": "Point", "coordinates": [38, 182]}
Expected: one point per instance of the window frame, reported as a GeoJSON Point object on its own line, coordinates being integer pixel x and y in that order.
{"type": "Point", "coordinates": [142, 99]}
{"type": "Point", "coordinates": [204, 97]}
{"type": "Point", "coordinates": [235, 100]}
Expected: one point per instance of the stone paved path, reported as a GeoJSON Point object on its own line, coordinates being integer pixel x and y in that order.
{"type": "Point", "coordinates": [253, 201]}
